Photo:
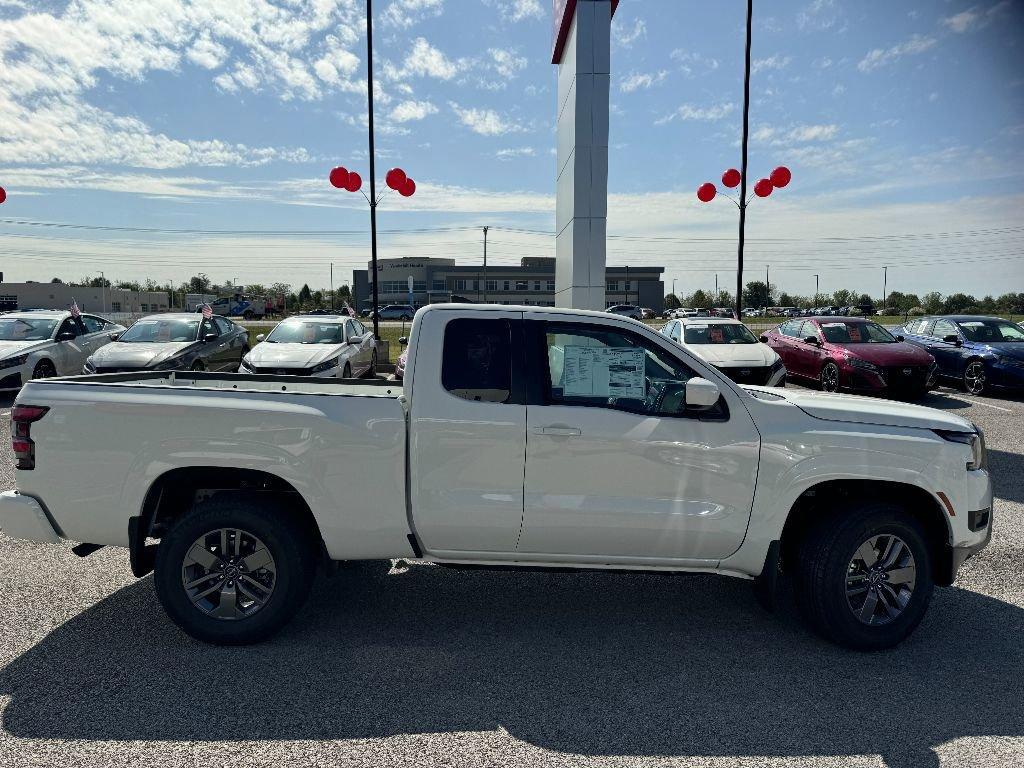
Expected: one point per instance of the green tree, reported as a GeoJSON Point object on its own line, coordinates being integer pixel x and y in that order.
{"type": "Point", "coordinates": [724, 299]}
{"type": "Point", "coordinates": [699, 299]}
{"type": "Point", "coordinates": [199, 283]}
{"type": "Point", "coordinates": [843, 298]}
{"type": "Point", "coordinates": [931, 303]}
{"type": "Point", "coordinates": [56, 280]}
{"type": "Point", "coordinates": [305, 295]}
{"type": "Point", "coordinates": [756, 294]}
{"type": "Point", "coordinates": [672, 301]}
{"type": "Point", "coordinates": [959, 302]}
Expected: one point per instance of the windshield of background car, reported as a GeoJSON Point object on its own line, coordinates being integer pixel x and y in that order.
{"type": "Point", "coordinates": [307, 332]}
{"type": "Point", "coordinates": [160, 330]}
{"type": "Point", "coordinates": [718, 333]}
{"type": "Point", "coordinates": [26, 329]}
{"type": "Point", "coordinates": [986, 331]}
{"type": "Point", "coordinates": [856, 333]}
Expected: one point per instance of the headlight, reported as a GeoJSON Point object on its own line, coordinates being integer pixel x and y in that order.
{"type": "Point", "coordinates": [856, 362]}
{"type": "Point", "coordinates": [246, 364]}
{"type": "Point", "coordinates": [974, 440]}
{"type": "Point", "coordinates": [327, 365]}
{"type": "Point", "coordinates": [12, 362]}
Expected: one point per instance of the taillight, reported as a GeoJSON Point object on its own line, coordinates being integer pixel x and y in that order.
{"type": "Point", "coordinates": [22, 417]}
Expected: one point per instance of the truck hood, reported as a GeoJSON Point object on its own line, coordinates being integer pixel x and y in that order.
{"type": "Point", "coordinates": [732, 355]}
{"type": "Point", "coordinates": [8, 348]}
{"type": "Point", "coordinates": [126, 354]}
{"type": "Point", "coordinates": [292, 355]}
{"type": "Point", "coordinates": [855, 409]}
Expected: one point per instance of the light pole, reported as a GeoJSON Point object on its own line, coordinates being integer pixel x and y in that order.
{"type": "Point", "coordinates": [485, 263]}
{"type": "Point", "coordinates": [103, 289]}
{"type": "Point", "coordinates": [885, 285]}
{"type": "Point", "coordinates": [816, 289]}
{"type": "Point", "coordinates": [767, 291]}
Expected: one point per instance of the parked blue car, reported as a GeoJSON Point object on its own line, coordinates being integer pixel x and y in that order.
{"type": "Point", "coordinates": [974, 351]}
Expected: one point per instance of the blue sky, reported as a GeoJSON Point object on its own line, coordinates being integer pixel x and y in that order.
{"type": "Point", "coordinates": [903, 124]}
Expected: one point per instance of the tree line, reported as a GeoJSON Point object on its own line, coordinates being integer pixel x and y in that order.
{"type": "Point", "coordinates": [757, 294]}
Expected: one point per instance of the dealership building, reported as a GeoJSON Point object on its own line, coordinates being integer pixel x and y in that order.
{"type": "Point", "coordinates": [59, 296]}
{"type": "Point", "coordinates": [532, 282]}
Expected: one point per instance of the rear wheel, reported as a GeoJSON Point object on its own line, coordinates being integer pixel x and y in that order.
{"type": "Point", "coordinates": [974, 377]}
{"type": "Point", "coordinates": [234, 572]}
{"type": "Point", "coordinates": [829, 377]}
{"type": "Point", "coordinates": [864, 576]}
{"type": "Point", "coordinates": [44, 370]}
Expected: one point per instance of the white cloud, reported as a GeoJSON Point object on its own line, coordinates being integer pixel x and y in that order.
{"type": "Point", "coordinates": [636, 80]}
{"type": "Point", "coordinates": [425, 60]}
{"type": "Point", "coordinates": [518, 10]}
{"type": "Point", "coordinates": [797, 134]}
{"type": "Point", "coordinates": [819, 15]}
{"type": "Point", "coordinates": [626, 36]}
{"type": "Point", "coordinates": [690, 112]}
{"type": "Point", "coordinates": [772, 62]}
{"type": "Point", "coordinates": [207, 53]}
{"type": "Point", "coordinates": [839, 89]}
{"type": "Point", "coordinates": [813, 132]}
{"type": "Point", "coordinates": [486, 122]}
{"type": "Point", "coordinates": [691, 63]}
{"type": "Point", "coordinates": [512, 153]}
{"type": "Point", "coordinates": [407, 111]}
{"type": "Point", "coordinates": [505, 62]}
{"type": "Point", "coordinates": [405, 13]}
{"type": "Point", "coordinates": [974, 17]}
{"type": "Point", "coordinates": [880, 57]}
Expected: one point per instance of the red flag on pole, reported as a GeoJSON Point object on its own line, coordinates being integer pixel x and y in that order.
{"type": "Point", "coordinates": [207, 311]}
{"type": "Point", "coordinates": [75, 311]}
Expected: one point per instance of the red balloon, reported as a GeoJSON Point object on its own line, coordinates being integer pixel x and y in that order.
{"type": "Point", "coordinates": [731, 178]}
{"type": "Point", "coordinates": [339, 177]}
{"type": "Point", "coordinates": [355, 181]}
{"type": "Point", "coordinates": [763, 188]}
{"type": "Point", "coordinates": [396, 178]}
{"type": "Point", "coordinates": [408, 189]}
{"type": "Point", "coordinates": [706, 192]}
{"type": "Point", "coordinates": [3, 194]}
{"type": "Point", "coordinates": [780, 176]}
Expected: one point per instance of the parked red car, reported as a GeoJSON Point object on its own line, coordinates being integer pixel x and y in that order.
{"type": "Point", "coordinates": [852, 353]}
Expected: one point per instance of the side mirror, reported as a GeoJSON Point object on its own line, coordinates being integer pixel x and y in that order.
{"type": "Point", "coordinates": [115, 336]}
{"type": "Point", "coordinates": [403, 340]}
{"type": "Point", "coordinates": [701, 393]}
{"type": "Point", "coordinates": [953, 339]}
{"type": "Point", "coordinates": [210, 337]}
{"type": "Point", "coordinates": [763, 339]}
{"type": "Point", "coordinates": [65, 336]}
{"type": "Point", "coordinates": [900, 338]}
{"type": "Point", "coordinates": [811, 340]}
{"type": "Point", "coordinates": [260, 337]}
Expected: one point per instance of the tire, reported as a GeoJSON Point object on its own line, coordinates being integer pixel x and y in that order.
{"type": "Point", "coordinates": [248, 315]}
{"type": "Point", "coordinates": [282, 559]}
{"type": "Point", "coordinates": [974, 377]}
{"type": "Point", "coordinates": [44, 370]}
{"type": "Point", "coordinates": [198, 366]}
{"type": "Point", "coordinates": [828, 379]}
{"type": "Point", "coordinates": [346, 372]}
{"type": "Point", "coordinates": [833, 578]}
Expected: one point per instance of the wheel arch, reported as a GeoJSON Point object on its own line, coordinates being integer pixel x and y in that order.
{"type": "Point", "coordinates": [810, 507]}
{"type": "Point", "coordinates": [173, 493]}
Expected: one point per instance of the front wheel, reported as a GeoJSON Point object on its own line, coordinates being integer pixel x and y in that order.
{"type": "Point", "coordinates": [248, 315]}
{"type": "Point", "coordinates": [974, 377]}
{"type": "Point", "coordinates": [198, 366]}
{"type": "Point", "coordinates": [829, 377]}
{"type": "Point", "coordinates": [864, 576]}
{"type": "Point", "coordinates": [233, 572]}
{"type": "Point", "coordinates": [44, 370]}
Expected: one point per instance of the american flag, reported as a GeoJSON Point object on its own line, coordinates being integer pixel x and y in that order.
{"type": "Point", "coordinates": [346, 309]}
{"type": "Point", "coordinates": [75, 311]}
{"type": "Point", "coordinates": [207, 311]}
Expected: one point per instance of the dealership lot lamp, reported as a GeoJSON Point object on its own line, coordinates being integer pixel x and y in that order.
{"type": "Point", "coordinates": [731, 179]}
{"type": "Point", "coordinates": [350, 181]}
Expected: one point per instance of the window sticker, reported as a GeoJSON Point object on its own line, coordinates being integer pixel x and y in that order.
{"type": "Point", "coordinates": [604, 372]}
{"type": "Point", "coordinates": [716, 335]}
{"type": "Point", "coordinates": [832, 325]}
{"type": "Point", "coordinates": [854, 332]}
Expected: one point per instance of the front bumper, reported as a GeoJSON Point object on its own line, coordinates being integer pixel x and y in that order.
{"type": "Point", "coordinates": [23, 517]}
{"type": "Point", "coordinates": [12, 379]}
{"type": "Point", "coordinates": [969, 500]}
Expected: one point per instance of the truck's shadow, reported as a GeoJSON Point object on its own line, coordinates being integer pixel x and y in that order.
{"type": "Point", "coordinates": [599, 664]}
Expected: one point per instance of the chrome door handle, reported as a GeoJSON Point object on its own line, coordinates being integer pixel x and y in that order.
{"type": "Point", "coordinates": [558, 430]}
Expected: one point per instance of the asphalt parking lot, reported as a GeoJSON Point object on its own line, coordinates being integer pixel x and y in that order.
{"type": "Point", "coordinates": [399, 664]}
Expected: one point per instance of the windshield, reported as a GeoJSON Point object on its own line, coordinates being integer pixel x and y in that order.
{"type": "Point", "coordinates": [718, 333]}
{"type": "Point", "coordinates": [856, 333]}
{"type": "Point", "coordinates": [986, 331]}
{"type": "Point", "coordinates": [155, 331]}
{"type": "Point", "coordinates": [307, 332]}
{"type": "Point", "coordinates": [26, 329]}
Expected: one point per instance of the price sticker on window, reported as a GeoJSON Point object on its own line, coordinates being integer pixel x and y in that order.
{"type": "Point", "coordinates": [716, 335]}
{"type": "Point", "coordinates": [854, 332]}
{"type": "Point", "coordinates": [604, 372]}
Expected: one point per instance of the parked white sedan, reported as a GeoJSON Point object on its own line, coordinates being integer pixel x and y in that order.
{"type": "Point", "coordinates": [40, 344]}
{"type": "Point", "coordinates": [729, 345]}
{"type": "Point", "coordinates": [324, 345]}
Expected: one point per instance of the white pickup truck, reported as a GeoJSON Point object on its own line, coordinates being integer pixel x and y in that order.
{"type": "Point", "coordinates": [521, 437]}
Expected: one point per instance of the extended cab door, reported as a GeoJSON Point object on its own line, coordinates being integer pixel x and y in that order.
{"type": "Point", "coordinates": [618, 469]}
{"type": "Point", "coordinates": [467, 432]}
